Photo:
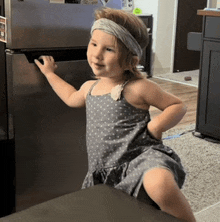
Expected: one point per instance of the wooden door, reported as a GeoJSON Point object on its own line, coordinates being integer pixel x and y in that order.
{"type": "Point", "coordinates": [187, 21]}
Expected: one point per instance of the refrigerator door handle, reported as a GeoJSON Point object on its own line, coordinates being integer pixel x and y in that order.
{"type": "Point", "coordinates": [59, 55]}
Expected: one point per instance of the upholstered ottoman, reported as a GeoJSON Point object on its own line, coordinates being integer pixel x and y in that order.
{"type": "Point", "coordinates": [95, 204]}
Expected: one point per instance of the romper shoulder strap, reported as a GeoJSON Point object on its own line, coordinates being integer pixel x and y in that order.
{"type": "Point", "coordinates": [124, 84]}
{"type": "Point", "coordinates": [93, 85]}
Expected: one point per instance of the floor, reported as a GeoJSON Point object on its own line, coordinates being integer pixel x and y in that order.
{"type": "Point", "coordinates": [179, 77]}
{"type": "Point", "coordinates": [211, 213]}
{"type": "Point", "coordinates": [188, 93]}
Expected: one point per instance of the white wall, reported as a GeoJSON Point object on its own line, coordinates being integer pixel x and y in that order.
{"type": "Point", "coordinates": [164, 27]}
{"type": "Point", "coordinates": [165, 37]}
{"type": "Point", "coordinates": [212, 3]}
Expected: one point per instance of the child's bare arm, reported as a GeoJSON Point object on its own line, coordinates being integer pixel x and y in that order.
{"type": "Point", "coordinates": [64, 90]}
{"type": "Point", "coordinates": [172, 109]}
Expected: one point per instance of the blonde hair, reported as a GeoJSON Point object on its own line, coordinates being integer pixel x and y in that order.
{"type": "Point", "coordinates": [137, 29]}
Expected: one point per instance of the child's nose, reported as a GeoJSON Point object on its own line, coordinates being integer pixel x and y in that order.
{"type": "Point", "coordinates": [98, 53]}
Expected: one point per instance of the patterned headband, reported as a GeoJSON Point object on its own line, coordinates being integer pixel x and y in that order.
{"type": "Point", "coordinates": [120, 32]}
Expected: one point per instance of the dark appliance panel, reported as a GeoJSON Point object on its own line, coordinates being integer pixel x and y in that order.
{"type": "Point", "coordinates": [42, 138]}
{"type": "Point", "coordinates": [49, 136]}
{"type": "Point", "coordinates": [42, 24]}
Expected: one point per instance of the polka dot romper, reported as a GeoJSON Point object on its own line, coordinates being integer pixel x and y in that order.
{"type": "Point", "coordinates": [120, 149]}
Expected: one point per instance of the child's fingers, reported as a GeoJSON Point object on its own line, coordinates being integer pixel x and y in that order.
{"type": "Point", "coordinates": [48, 64]}
{"type": "Point", "coordinates": [52, 59]}
{"type": "Point", "coordinates": [38, 63]}
{"type": "Point", "coordinates": [47, 58]}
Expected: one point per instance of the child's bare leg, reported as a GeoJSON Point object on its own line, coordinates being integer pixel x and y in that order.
{"type": "Point", "coordinates": [162, 188]}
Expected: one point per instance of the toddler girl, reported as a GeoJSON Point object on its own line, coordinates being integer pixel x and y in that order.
{"type": "Point", "coordinates": [124, 145]}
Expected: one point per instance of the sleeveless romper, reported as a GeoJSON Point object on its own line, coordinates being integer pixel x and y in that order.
{"type": "Point", "coordinates": [120, 148]}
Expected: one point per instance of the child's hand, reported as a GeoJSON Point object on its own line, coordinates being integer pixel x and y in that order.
{"type": "Point", "coordinates": [48, 66]}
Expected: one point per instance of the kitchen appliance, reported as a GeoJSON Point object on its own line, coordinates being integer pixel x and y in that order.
{"type": "Point", "coordinates": [43, 151]}
{"type": "Point", "coordinates": [145, 64]}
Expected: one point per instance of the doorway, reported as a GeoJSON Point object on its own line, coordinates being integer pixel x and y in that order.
{"type": "Point", "coordinates": [187, 21]}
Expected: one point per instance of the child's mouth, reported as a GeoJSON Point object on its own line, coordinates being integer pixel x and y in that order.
{"type": "Point", "coordinates": [98, 65]}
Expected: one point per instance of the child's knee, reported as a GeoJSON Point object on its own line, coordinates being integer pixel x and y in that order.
{"type": "Point", "coordinates": [159, 183]}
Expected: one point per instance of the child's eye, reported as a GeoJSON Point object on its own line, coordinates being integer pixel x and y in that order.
{"type": "Point", "coordinates": [109, 49]}
{"type": "Point", "coordinates": [92, 43]}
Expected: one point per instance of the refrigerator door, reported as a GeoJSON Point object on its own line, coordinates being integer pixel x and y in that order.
{"type": "Point", "coordinates": [49, 136]}
{"type": "Point", "coordinates": [44, 24]}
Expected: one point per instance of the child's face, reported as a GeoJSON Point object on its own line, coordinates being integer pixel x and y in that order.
{"type": "Point", "coordinates": [103, 55]}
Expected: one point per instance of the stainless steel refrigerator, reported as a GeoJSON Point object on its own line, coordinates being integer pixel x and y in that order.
{"type": "Point", "coordinates": [43, 150]}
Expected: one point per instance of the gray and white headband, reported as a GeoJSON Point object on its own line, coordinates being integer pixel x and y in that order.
{"type": "Point", "coordinates": [120, 32]}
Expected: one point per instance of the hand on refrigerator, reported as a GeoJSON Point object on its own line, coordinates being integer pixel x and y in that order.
{"type": "Point", "coordinates": [48, 66]}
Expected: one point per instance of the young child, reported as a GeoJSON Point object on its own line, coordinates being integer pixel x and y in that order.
{"type": "Point", "coordinates": [124, 145]}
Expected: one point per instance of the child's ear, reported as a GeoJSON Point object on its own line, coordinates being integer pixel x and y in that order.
{"type": "Point", "coordinates": [135, 60]}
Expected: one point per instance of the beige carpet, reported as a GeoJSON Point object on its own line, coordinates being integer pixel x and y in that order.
{"type": "Point", "coordinates": [201, 160]}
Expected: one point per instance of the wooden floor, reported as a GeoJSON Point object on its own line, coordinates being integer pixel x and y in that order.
{"type": "Point", "coordinates": [188, 94]}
